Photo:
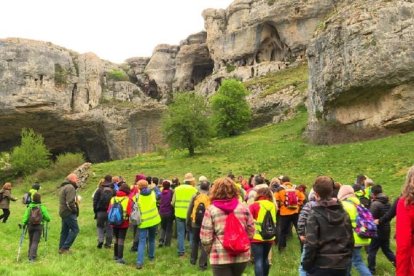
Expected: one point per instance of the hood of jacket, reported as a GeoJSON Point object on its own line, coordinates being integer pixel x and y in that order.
{"type": "Point", "coordinates": [382, 198]}
{"type": "Point", "coordinates": [145, 191]}
{"type": "Point", "coordinates": [226, 205]}
{"type": "Point", "coordinates": [333, 213]}
{"type": "Point", "coordinates": [66, 182]}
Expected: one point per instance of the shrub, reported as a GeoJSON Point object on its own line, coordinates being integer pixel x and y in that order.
{"type": "Point", "coordinates": [186, 124]}
{"type": "Point", "coordinates": [31, 155]}
{"type": "Point", "coordinates": [231, 112]}
{"type": "Point", "coordinates": [230, 68]}
{"type": "Point", "coordinates": [117, 75]}
{"type": "Point", "coordinates": [64, 164]}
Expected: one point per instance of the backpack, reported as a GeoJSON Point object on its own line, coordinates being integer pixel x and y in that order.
{"type": "Point", "coordinates": [291, 198]}
{"type": "Point", "coordinates": [1, 196]}
{"type": "Point", "coordinates": [116, 213]}
{"type": "Point", "coordinates": [27, 198]}
{"type": "Point", "coordinates": [201, 202]}
{"type": "Point", "coordinates": [364, 201]}
{"type": "Point", "coordinates": [365, 226]}
{"type": "Point", "coordinates": [105, 197]}
{"type": "Point", "coordinates": [235, 240]}
{"type": "Point", "coordinates": [135, 217]}
{"type": "Point", "coordinates": [36, 216]}
{"type": "Point", "coordinates": [268, 226]}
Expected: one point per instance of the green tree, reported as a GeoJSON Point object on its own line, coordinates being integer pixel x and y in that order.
{"type": "Point", "coordinates": [31, 155]}
{"type": "Point", "coordinates": [186, 124]}
{"type": "Point", "coordinates": [231, 112]}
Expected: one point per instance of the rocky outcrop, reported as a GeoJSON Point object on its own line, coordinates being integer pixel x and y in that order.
{"type": "Point", "coordinates": [362, 69]}
{"type": "Point", "coordinates": [58, 93]}
{"type": "Point", "coordinates": [254, 31]}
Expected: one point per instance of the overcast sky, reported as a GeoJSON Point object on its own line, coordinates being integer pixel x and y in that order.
{"type": "Point", "coordinates": [114, 30]}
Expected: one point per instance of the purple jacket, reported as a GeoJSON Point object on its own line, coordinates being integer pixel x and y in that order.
{"type": "Point", "coordinates": [166, 209]}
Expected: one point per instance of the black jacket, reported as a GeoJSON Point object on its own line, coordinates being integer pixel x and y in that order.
{"type": "Point", "coordinates": [392, 212]}
{"type": "Point", "coordinates": [329, 237]}
{"type": "Point", "coordinates": [379, 207]}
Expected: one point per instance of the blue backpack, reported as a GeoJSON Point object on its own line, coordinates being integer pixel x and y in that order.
{"type": "Point", "coordinates": [116, 213]}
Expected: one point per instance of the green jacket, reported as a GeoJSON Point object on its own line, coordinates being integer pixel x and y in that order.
{"type": "Point", "coordinates": [26, 215]}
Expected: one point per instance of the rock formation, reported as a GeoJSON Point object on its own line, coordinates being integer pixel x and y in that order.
{"type": "Point", "coordinates": [362, 69]}
{"type": "Point", "coordinates": [57, 92]}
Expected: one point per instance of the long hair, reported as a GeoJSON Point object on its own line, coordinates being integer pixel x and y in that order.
{"type": "Point", "coordinates": [224, 188]}
{"type": "Point", "coordinates": [408, 189]}
{"type": "Point", "coordinates": [7, 186]}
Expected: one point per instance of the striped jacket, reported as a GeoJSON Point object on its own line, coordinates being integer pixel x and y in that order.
{"type": "Point", "coordinates": [212, 229]}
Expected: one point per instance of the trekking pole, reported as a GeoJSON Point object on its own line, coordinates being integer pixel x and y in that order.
{"type": "Point", "coordinates": [24, 230]}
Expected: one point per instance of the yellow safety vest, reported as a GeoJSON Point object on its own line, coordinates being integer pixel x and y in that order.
{"type": "Point", "coordinates": [183, 195]}
{"type": "Point", "coordinates": [265, 205]}
{"type": "Point", "coordinates": [352, 213]}
{"type": "Point", "coordinates": [149, 212]}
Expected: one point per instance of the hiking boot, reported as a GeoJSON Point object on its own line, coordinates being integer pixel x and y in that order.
{"type": "Point", "coordinates": [120, 261]}
{"type": "Point", "coordinates": [160, 245]}
{"type": "Point", "coordinates": [64, 251]}
{"type": "Point", "coordinates": [99, 245]}
{"type": "Point", "coordinates": [181, 256]}
{"type": "Point", "coordinates": [115, 258]}
{"type": "Point", "coordinates": [139, 266]}
{"type": "Point", "coordinates": [107, 246]}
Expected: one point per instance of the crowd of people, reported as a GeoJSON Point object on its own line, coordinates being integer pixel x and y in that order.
{"type": "Point", "coordinates": [233, 221]}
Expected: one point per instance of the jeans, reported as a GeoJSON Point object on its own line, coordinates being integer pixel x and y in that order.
{"type": "Point", "coordinates": [181, 235]}
{"type": "Point", "coordinates": [70, 230]}
{"type": "Point", "coordinates": [358, 263]}
{"type": "Point", "coordinates": [235, 269]}
{"type": "Point", "coordinates": [35, 232]}
{"type": "Point", "coordinates": [302, 272]}
{"type": "Point", "coordinates": [166, 230]}
{"type": "Point", "coordinates": [202, 262]}
{"type": "Point", "coordinates": [103, 228]}
{"type": "Point", "coordinates": [376, 244]}
{"type": "Point", "coordinates": [260, 251]}
{"type": "Point", "coordinates": [143, 232]}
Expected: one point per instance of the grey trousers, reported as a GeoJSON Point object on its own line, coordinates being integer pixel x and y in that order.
{"type": "Point", "coordinates": [103, 228]}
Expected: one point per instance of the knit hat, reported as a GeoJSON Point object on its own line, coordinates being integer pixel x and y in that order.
{"type": "Point", "coordinates": [345, 191]}
{"type": "Point", "coordinates": [188, 177]}
{"type": "Point", "coordinates": [139, 177]}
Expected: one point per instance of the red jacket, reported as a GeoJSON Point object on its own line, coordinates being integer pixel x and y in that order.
{"type": "Point", "coordinates": [405, 241]}
{"type": "Point", "coordinates": [128, 210]}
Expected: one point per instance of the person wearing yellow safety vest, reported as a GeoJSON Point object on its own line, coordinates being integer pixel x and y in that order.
{"type": "Point", "coordinates": [181, 201]}
{"type": "Point", "coordinates": [121, 230]}
{"type": "Point", "coordinates": [147, 204]}
{"type": "Point", "coordinates": [261, 247]}
{"type": "Point", "coordinates": [348, 199]}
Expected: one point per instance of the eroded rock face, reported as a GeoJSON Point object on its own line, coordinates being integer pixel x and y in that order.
{"type": "Point", "coordinates": [57, 92]}
{"type": "Point", "coordinates": [255, 31]}
{"type": "Point", "coordinates": [362, 68]}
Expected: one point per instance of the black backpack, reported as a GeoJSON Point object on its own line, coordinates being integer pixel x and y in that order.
{"type": "Point", "coordinates": [199, 214]}
{"type": "Point", "coordinates": [105, 197]}
{"type": "Point", "coordinates": [36, 216]}
{"type": "Point", "coordinates": [268, 227]}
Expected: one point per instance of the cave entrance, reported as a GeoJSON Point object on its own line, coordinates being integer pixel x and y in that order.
{"type": "Point", "coordinates": [271, 47]}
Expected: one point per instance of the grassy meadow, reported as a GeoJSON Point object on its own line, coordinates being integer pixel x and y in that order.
{"type": "Point", "coordinates": [274, 150]}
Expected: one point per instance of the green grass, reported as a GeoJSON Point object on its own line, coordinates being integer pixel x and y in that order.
{"type": "Point", "coordinates": [274, 82]}
{"type": "Point", "coordinates": [274, 150]}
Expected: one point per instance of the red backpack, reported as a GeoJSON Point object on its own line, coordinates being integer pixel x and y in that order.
{"type": "Point", "coordinates": [235, 239]}
{"type": "Point", "coordinates": [291, 198]}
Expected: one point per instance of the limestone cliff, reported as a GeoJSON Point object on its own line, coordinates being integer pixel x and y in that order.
{"type": "Point", "coordinates": [362, 70]}
{"type": "Point", "coordinates": [58, 92]}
